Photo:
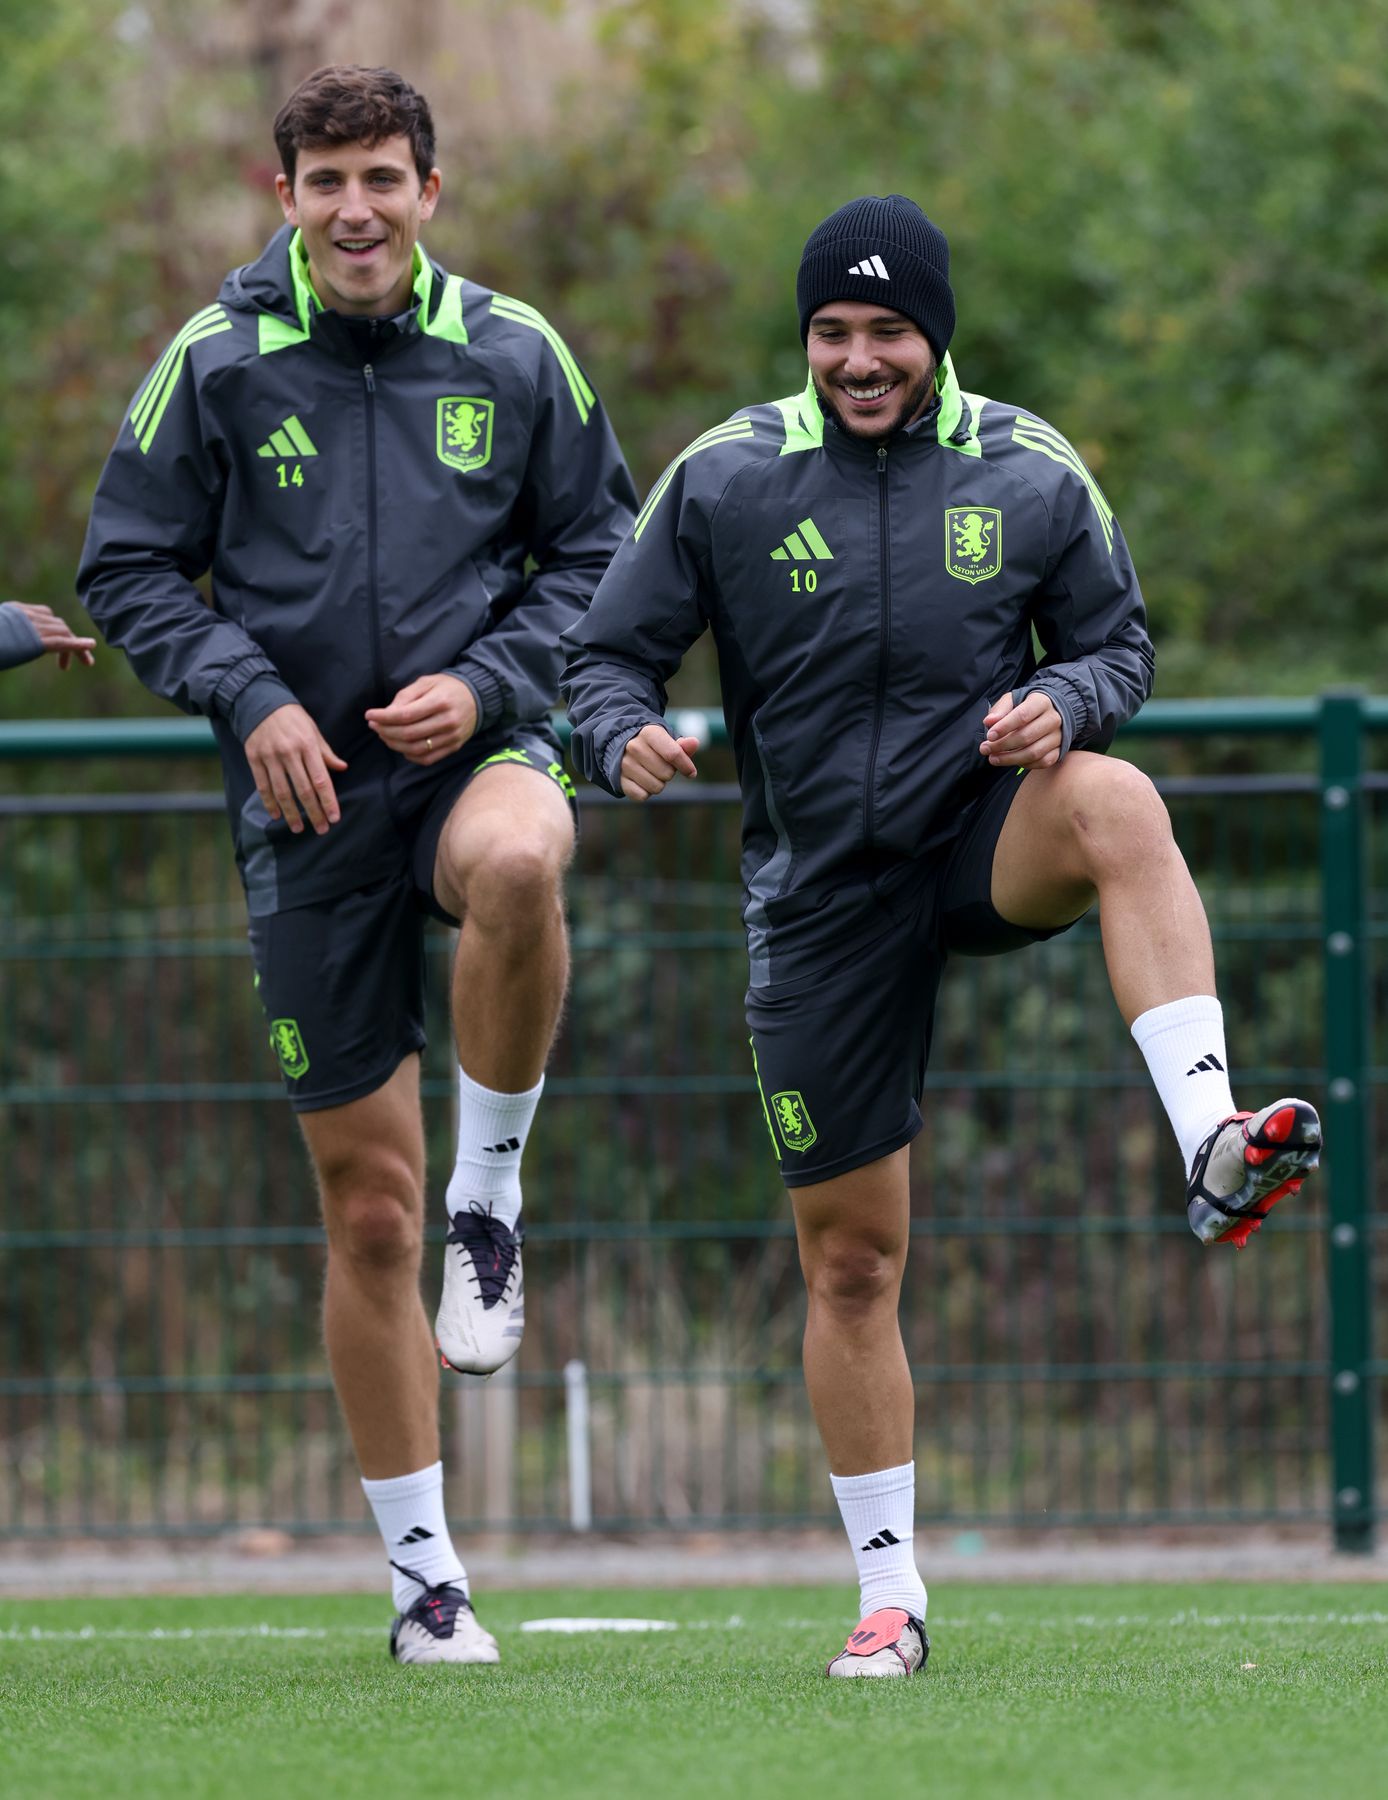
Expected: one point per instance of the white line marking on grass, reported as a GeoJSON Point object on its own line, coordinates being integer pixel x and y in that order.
{"type": "Point", "coordinates": [572, 1626]}
{"type": "Point", "coordinates": [991, 1621]}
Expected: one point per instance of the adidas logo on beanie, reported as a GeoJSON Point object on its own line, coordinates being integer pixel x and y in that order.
{"type": "Point", "coordinates": [884, 251]}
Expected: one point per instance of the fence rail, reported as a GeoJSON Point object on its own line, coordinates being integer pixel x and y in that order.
{"type": "Point", "coordinates": [1076, 1358]}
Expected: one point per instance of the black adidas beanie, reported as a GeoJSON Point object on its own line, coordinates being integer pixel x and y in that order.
{"type": "Point", "coordinates": [883, 250]}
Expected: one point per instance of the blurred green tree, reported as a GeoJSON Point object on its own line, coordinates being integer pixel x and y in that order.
{"type": "Point", "coordinates": [1166, 219]}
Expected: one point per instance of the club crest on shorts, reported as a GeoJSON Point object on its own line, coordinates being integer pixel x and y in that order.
{"type": "Point", "coordinates": [464, 432]}
{"type": "Point", "coordinates": [793, 1120]}
{"type": "Point", "coordinates": [287, 1042]}
{"type": "Point", "coordinates": [973, 542]}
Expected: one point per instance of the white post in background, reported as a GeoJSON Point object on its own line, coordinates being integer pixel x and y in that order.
{"type": "Point", "coordinates": [580, 1461]}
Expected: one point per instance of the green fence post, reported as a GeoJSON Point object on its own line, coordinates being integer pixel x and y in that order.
{"type": "Point", "coordinates": [1345, 948]}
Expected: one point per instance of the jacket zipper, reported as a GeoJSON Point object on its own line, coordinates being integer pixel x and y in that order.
{"type": "Point", "coordinates": [884, 642]}
{"type": "Point", "coordinates": [373, 597]}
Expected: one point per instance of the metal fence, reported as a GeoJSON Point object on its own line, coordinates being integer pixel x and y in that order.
{"type": "Point", "coordinates": [1077, 1358]}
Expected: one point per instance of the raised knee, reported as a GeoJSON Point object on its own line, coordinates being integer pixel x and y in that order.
{"type": "Point", "coordinates": [515, 885]}
{"type": "Point", "coordinates": [1118, 818]}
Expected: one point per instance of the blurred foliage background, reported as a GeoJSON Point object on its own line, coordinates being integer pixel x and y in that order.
{"type": "Point", "coordinates": [1167, 220]}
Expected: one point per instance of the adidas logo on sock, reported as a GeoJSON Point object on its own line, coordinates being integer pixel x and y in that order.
{"type": "Point", "coordinates": [1208, 1065]}
{"type": "Point", "coordinates": [289, 440]}
{"type": "Point", "coordinates": [871, 265]}
{"type": "Point", "coordinates": [804, 544]}
{"type": "Point", "coordinates": [883, 1541]}
{"type": "Point", "coordinates": [501, 1149]}
{"type": "Point", "coordinates": [416, 1535]}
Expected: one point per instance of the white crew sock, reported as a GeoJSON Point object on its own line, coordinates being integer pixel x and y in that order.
{"type": "Point", "coordinates": [409, 1512]}
{"type": "Point", "coordinates": [492, 1129]}
{"type": "Point", "coordinates": [1183, 1043]}
{"type": "Point", "coordinates": [879, 1515]}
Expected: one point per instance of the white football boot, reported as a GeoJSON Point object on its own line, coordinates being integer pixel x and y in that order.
{"type": "Point", "coordinates": [481, 1317]}
{"type": "Point", "coordinates": [440, 1627]}
{"type": "Point", "coordinates": [889, 1642]}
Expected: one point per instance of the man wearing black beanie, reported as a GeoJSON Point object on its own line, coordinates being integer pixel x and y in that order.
{"type": "Point", "coordinates": [873, 556]}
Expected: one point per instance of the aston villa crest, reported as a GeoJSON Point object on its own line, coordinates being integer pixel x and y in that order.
{"type": "Point", "coordinates": [464, 432]}
{"type": "Point", "coordinates": [973, 542]}
{"type": "Point", "coordinates": [793, 1121]}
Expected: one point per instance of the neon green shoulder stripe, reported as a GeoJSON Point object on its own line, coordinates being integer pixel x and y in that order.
{"type": "Point", "coordinates": [144, 400]}
{"type": "Point", "coordinates": [520, 314]}
{"type": "Point", "coordinates": [1036, 434]}
{"type": "Point", "coordinates": [721, 434]}
{"type": "Point", "coordinates": [152, 402]}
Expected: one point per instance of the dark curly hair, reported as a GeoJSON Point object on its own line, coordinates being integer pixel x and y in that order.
{"type": "Point", "coordinates": [346, 104]}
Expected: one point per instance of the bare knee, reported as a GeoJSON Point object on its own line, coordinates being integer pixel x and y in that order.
{"type": "Point", "coordinates": [374, 1213]}
{"type": "Point", "coordinates": [516, 884]}
{"type": "Point", "coordinates": [852, 1277]}
{"type": "Point", "coordinates": [1118, 820]}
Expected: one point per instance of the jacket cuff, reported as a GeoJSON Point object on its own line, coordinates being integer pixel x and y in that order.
{"type": "Point", "coordinates": [609, 758]}
{"type": "Point", "coordinates": [261, 696]}
{"type": "Point", "coordinates": [1065, 704]}
{"type": "Point", "coordinates": [486, 689]}
{"type": "Point", "coordinates": [19, 641]}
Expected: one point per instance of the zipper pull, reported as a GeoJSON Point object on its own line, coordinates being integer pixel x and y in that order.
{"type": "Point", "coordinates": [881, 459]}
{"type": "Point", "coordinates": [369, 375]}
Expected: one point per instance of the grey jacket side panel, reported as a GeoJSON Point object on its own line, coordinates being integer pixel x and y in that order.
{"type": "Point", "coordinates": [19, 642]}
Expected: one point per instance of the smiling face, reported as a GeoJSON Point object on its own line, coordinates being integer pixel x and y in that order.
{"type": "Point", "coordinates": [872, 367]}
{"type": "Point", "coordinates": [360, 207]}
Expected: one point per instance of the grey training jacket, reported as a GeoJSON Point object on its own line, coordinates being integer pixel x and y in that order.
{"type": "Point", "coordinates": [19, 642]}
{"type": "Point", "coordinates": [867, 605]}
{"type": "Point", "coordinates": [376, 500]}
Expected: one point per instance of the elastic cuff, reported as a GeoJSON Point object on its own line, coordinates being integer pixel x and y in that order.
{"type": "Point", "coordinates": [487, 692]}
{"type": "Point", "coordinates": [870, 1486]}
{"type": "Point", "coordinates": [404, 1487]}
{"type": "Point", "coordinates": [1061, 702]}
{"type": "Point", "coordinates": [609, 759]}
{"type": "Point", "coordinates": [261, 696]}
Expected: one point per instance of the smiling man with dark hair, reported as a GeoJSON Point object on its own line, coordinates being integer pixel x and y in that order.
{"type": "Point", "coordinates": [404, 489]}
{"type": "Point", "coordinates": [873, 556]}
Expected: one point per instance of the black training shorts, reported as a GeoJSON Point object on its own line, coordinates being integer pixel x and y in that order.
{"type": "Point", "coordinates": [840, 1054]}
{"type": "Point", "coordinates": [342, 980]}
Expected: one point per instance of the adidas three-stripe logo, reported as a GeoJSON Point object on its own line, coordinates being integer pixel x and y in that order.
{"type": "Point", "coordinates": [804, 544]}
{"type": "Point", "coordinates": [501, 1149]}
{"type": "Point", "coordinates": [416, 1535]}
{"type": "Point", "coordinates": [871, 265]}
{"type": "Point", "coordinates": [883, 1541]}
{"type": "Point", "coordinates": [289, 440]}
{"type": "Point", "coordinates": [1207, 1065]}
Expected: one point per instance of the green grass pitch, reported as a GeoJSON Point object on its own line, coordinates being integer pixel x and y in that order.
{"type": "Point", "coordinates": [1059, 1691]}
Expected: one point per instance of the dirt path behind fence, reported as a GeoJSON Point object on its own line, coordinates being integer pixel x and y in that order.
{"type": "Point", "coordinates": [271, 1562]}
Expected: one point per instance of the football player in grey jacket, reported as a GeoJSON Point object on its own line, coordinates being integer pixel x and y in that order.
{"type": "Point", "coordinates": [404, 489]}
{"type": "Point", "coordinates": [873, 557]}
